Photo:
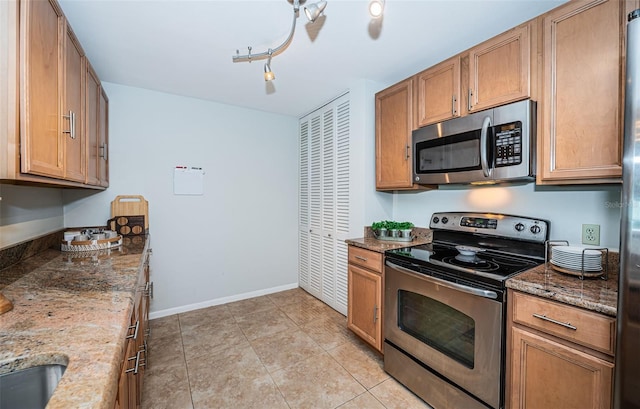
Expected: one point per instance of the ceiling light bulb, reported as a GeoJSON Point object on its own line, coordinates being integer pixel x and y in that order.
{"type": "Point", "coordinates": [314, 10]}
{"type": "Point", "coordinates": [268, 74]}
{"type": "Point", "coordinates": [375, 8]}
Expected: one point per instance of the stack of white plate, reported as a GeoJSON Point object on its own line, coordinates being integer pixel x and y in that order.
{"type": "Point", "coordinates": [575, 259]}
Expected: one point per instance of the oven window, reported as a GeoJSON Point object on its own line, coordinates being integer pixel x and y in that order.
{"type": "Point", "coordinates": [437, 325]}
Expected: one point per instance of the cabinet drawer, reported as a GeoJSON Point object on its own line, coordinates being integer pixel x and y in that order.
{"type": "Point", "coordinates": [571, 323]}
{"type": "Point", "coordinates": [365, 258]}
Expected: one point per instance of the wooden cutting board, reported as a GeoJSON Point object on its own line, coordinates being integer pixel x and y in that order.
{"type": "Point", "coordinates": [131, 205]}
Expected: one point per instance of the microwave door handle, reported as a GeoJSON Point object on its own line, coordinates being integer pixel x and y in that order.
{"type": "Point", "coordinates": [484, 135]}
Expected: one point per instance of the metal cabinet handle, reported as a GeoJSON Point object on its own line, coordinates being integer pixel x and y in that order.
{"type": "Point", "coordinates": [469, 100]}
{"type": "Point", "coordinates": [103, 151]}
{"type": "Point", "coordinates": [148, 289]}
{"type": "Point", "coordinates": [72, 124]}
{"type": "Point", "coordinates": [453, 105]}
{"type": "Point", "coordinates": [563, 324]}
{"type": "Point", "coordinates": [407, 152]}
{"type": "Point", "coordinates": [375, 314]}
{"type": "Point", "coordinates": [135, 330]}
{"type": "Point", "coordinates": [136, 368]}
{"type": "Point", "coordinates": [361, 258]}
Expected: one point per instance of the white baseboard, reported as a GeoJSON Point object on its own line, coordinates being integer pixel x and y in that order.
{"type": "Point", "coordinates": [218, 301]}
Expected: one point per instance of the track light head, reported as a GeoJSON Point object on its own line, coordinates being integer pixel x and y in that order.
{"type": "Point", "coordinates": [376, 7]}
{"type": "Point", "coordinates": [314, 10]}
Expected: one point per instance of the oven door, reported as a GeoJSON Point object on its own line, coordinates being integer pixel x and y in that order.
{"type": "Point", "coordinates": [455, 330]}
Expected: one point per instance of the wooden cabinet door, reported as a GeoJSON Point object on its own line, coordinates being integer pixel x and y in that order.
{"type": "Point", "coordinates": [103, 138]}
{"type": "Point", "coordinates": [394, 123]}
{"type": "Point", "coordinates": [364, 316]}
{"type": "Point", "coordinates": [92, 126]}
{"type": "Point", "coordinates": [42, 27]}
{"type": "Point", "coordinates": [546, 374]}
{"type": "Point", "coordinates": [582, 87]}
{"type": "Point", "coordinates": [73, 131]}
{"type": "Point", "coordinates": [499, 70]}
{"type": "Point", "coordinates": [439, 92]}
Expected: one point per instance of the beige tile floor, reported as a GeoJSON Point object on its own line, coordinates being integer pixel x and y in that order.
{"type": "Point", "coordinates": [284, 350]}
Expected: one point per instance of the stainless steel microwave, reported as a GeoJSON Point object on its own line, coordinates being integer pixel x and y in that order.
{"type": "Point", "coordinates": [490, 146]}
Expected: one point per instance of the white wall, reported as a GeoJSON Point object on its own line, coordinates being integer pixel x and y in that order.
{"type": "Point", "coordinates": [28, 212]}
{"type": "Point", "coordinates": [567, 208]}
{"type": "Point", "coordinates": [239, 239]}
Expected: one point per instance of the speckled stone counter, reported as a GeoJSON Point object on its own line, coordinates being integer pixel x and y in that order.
{"type": "Point", "coordinates": [369, 242]}
{"type": "Point", "coordinates": [73, 310]}
{"type": "Point", "coordinates": [592, 294]}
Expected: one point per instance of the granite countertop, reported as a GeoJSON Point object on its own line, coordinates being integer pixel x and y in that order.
{"type": "Point", "coordinates": [74, 310]}
{"type": "Point", "coordinates": [594, 294]}
{"type": "Point", "coordinates": [369, 242]}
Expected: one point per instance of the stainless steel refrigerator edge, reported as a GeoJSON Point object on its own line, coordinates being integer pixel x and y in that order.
{"type": "Point", "coordinates": [627, 364]}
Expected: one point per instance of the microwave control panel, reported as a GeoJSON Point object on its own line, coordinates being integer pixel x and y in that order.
{"type": "Point", "coordinates": [508, 144]}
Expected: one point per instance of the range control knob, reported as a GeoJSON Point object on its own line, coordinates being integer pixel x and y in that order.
{"type": "Point", "coordinates": [519, 227]}
{"type": "Point", "coordinates": [436, 219]}
{"type": "Point", "coordinates": [445, 220]}
{"type": "Point", "coordinates": [535, 229]}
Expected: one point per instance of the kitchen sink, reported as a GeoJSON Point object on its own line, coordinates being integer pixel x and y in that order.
{"type": "Point", "coordinates": [30, 387]}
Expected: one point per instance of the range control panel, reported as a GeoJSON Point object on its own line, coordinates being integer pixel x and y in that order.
{"type": "Point", "coordinates": [494, 224]}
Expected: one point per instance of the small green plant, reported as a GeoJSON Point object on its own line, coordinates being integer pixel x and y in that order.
{"type": "Point", "coordinates": [405, 226]}
{"type": "Point", "coordinates": [378, 225]}
{"type": "Point", "coordinates": [391, 225]}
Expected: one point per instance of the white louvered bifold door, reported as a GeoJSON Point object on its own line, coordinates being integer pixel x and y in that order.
{"type": "Point", "coordinates": [303, 208]}
{"type": "Point", "coordinates": [315, 208]}
{"type": "Point", "coordinates": [342, 202]}
{"type": "Point", "coordinates": [324, 202]}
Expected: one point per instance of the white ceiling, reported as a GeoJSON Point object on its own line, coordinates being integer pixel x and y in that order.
{"type": "Point", "coordinates": [184, 47]}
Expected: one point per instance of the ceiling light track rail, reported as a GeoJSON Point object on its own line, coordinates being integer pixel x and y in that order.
{"type": "Point", "coordinates": [312, 11]}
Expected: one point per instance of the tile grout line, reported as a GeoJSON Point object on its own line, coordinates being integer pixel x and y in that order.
{"type": "Point", "coordinates": [184, 356]}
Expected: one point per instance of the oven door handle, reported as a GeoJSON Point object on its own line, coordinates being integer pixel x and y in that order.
{"type": "Point", "coordinates": [484, 154]}
{"type": "Point", "coordinates": [454, 286]}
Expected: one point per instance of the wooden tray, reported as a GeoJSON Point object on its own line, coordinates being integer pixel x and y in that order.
{"type": "Point", "coordinates": [130, 205]}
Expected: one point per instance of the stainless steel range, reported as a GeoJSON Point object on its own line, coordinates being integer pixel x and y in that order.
{"type": "Point", "coordinates": [445, 306]}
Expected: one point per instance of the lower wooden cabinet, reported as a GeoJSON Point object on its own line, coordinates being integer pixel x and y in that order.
{"type": "Point", "coordinates": [135, 359]}
{"type": "Point", "coordinates": [365, 309]}
{"type": "Point", "coordinates": [555, 360]}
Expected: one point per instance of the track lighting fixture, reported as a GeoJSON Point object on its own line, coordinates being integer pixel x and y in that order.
{"type": "Point", "coordinates": [268, 74]}
{"type": "Point", "coordinates": [312, 11]}
{"type": "Point", "coordinates": [376, 7]}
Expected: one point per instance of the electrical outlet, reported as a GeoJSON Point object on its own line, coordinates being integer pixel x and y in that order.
{"type": "Point", "coordinates": [591, 234]}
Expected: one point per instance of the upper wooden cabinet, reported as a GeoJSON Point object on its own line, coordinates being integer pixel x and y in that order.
{"type": "Point", "coordinates": [97, 130]}
{"type": "Point", "coordinates": [42, 36]}
{"type": "Point", "coordinates": [499, 69]}
{"type": "Point", "coordinates": [394, 124]}
{"type": "Point", "coordinates": [581, 114]}
{"type": "Point", "coordinates": [439, 92]}
{"type": "Point", "coordinates": [73, 131]}
{"type": "Point", "coordinates": [43, 90]}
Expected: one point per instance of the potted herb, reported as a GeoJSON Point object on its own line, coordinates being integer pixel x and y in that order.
{"type": "Point", "coordinates": [379, 229]}
{"type": "Point", "coordinates": [405, 229]}
{"type": "Point", "coordinates": [393, 228]}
